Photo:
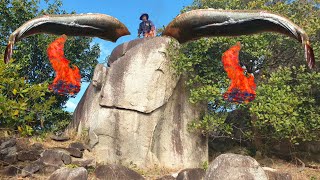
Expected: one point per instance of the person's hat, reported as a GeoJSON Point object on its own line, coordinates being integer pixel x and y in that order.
{"type": "Point", "coordinates": [144, 14]}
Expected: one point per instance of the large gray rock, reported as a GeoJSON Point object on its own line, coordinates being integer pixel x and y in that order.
{"type": "Point", "coordinates": [234, 166]}
{"type": "Point", "coordinates": [137, 111]}
{"type": "Point", "coordinates": [141, 80]}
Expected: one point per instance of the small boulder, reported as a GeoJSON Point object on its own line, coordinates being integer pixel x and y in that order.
{"type": "Point", "coordinates": [31, 155]}
{"type": "Point", "coordinates": [191, 174]}
{"type": "Point", "coordinates": [78, 145]}
{"type": "Point", "coordinates": [9, 143]}
{"type": "Point", "coordinates": [55, 157]}
{"type": "Point", "coordinates": [233, 166]}
{"type": "Point", "coordinates": [8, 155]}
{"type": "Point", "coordinates": [74, 152]}
{"type": "Point", "coordinates": [70, 174]}
{"type": "Point", "coordinates": [61, 138]}
{"type": "Point", "coordinates": [30, 169]}
{"type": "Point", "coordinates": [116, 172]}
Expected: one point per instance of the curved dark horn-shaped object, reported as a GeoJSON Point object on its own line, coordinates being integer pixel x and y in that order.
{"type": "Point", "coordinates": [199, 23]}
{"type": "Point", "coordinates": [94, 25]}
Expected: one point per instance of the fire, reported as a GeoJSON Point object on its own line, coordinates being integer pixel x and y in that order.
{"type": "Point", "coordinates": [67, 80]}
{"type": "Point", "coordinates": [242, 88]}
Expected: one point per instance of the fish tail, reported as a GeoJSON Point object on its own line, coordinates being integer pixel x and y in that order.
{"type": "Point", "coordinates": [8, 52]}
{"type": "Point", "coordinates": [309, 55]}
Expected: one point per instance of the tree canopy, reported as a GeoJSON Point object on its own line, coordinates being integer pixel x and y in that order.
{"type": "Point", "coordinates": [20, 103]}
{"type": "Point", "coordinates": [287, 103]}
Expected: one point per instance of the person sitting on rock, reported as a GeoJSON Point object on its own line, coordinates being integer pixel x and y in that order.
{"type": "Point", "coordinates": [146, 27]}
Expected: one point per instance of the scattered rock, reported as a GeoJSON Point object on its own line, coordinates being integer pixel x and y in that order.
{"type": "Point", "coordinates": [70, 174]}
{"type": "Point", "coordinates": [31, 155]}
{"type": "Point", "coordinates": [9, 151]}
{"type": "Point", "coordinates": [166, 177]}
{"type": "Point", "coordinates": [74, 152]}
{"type": "Point", "coordinates": [8, 155]}
{"type": "Point", "coordinates": [233, 166]}
{"type": "Point", "coordinates": [78, 145]}
{"type": "Point", "coordinates": [9, 143]}
{"type": "Point", "coordinates": [55, 157]}
{"type": "Point", "coordinates": [83, 162]}
{"type": "Point", "coordinates": [10, 171]}
{"type": "Point", "coordinates": [30, 169]}
{"type": "Point", "coordinates": [191, 174]}
{"type": "Point", "coordinates": [59, 138]}
{"type": "Point", "coordinates": [116, 172]}
{"type": "Point", "coordinates": [66, 159]}
{"type": "Point", "coordinates": [273, 174]}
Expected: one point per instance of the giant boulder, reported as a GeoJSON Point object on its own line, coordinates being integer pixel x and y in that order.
{"type": "Point", "coordinates": [137, 111]}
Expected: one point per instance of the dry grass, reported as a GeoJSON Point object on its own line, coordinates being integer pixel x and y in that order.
{"type": "Point", "coordinates": [297, 171]}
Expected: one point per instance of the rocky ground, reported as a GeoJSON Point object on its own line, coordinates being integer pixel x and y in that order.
{"type": "Point", "coordinates": [61, 158]}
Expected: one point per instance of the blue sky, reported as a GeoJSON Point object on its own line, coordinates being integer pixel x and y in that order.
{"type": "Point", "coordinates": [128, 12]}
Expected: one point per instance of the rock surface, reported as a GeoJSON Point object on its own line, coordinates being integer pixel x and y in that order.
{"type": "Point", "coordinates": [233, 166]}
{"type": "Point", "coordinates": [55, 157]}
{"type": "Point", "coordinates": [31, 155]}
{"type": "Point", "coordinates": [140, 111]}
{"type": "Point", "coordinates": [30, 169]}
{"type": "Point", "coordinates": [78, 145]}
{"type": "Point", "coordinates": [116, 172]}
{"type": "Point", "coordinates": [70, 174]}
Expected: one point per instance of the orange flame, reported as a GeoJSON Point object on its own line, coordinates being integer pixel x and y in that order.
{"type": "Point", "coordinates": [242, 88]}
{"type": "Point", "coordinates": [67, 80]}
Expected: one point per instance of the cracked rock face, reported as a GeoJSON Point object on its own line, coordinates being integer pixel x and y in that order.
{"type": "Point", "coordinates": [137, 110]}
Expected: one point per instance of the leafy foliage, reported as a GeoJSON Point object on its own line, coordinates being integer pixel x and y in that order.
{"type": "Point", "coordinates": [24, 106]}
{"type": "Point", "coordinates": [286, 100]}
{"type": "Point", "coordinates": [287, 105]}
{"type": "Point", "coordinates": [38, 109]}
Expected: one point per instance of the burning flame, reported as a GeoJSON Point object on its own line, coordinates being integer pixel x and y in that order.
{"type": "Point", "coordinates": [242, 88]}
{"type": "Point", "coordinates": [67, 80]}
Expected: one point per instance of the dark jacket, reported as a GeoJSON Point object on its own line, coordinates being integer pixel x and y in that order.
{"type": "Point", "coordinates": [145, 27]}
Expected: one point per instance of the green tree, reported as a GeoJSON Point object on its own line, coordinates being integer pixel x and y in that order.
{"type": "Point", "coordinates": [27, 107]}
{"type": "Point", "coordinates": [31, 65]}
{"type": "Point", "coordinates": [201, 62]}
{"type": "Point", "coordinates": [287, 105]}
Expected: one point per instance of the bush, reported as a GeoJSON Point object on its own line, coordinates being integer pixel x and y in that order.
{"type": "Point", "coordinates": [287, 105]}
{"type": "Point", "coordinates": [27, 108]}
